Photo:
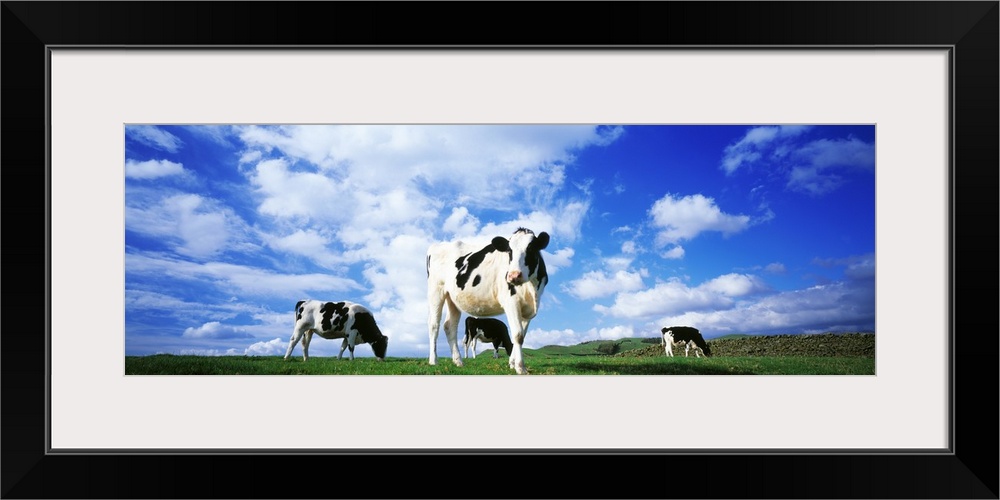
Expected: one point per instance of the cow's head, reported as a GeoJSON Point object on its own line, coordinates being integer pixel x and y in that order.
{"type": "Point", "coordinates": [525, 251]}
{"type": "Point", "coordinates": [379, 346]}
{"type": "Point", "coordinates": [507, 344]}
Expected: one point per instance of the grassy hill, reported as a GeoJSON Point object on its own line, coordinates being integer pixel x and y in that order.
{"type": "Point", "coordinates": [813, 345]}
{"type": "Point", "coordinates": [824, 354]}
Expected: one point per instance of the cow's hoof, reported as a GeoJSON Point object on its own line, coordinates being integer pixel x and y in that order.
{"type": "Point", "coordinates": [458, 362]}
{"type": "Point", "coordinates": [521, 370]}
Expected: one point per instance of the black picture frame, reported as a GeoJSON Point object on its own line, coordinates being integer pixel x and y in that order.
{"type": "Point", "coordinates": [969, 28]}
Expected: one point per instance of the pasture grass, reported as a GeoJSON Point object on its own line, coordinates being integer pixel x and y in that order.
{"type": "Point", "coordinates": [539, 362]}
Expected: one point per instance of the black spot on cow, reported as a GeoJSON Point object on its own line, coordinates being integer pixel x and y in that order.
{"type": "Point", "coordinates": [468, 263]}
{"type": "Point", "coordinates": [364, 323]}
{"type": "Point", "coordinates": [334, 316]}
{"type": "Point", "coordinates": [298, 309]}
{"type": "Point", "coordinates": [476, 280]}
{"type": "Point", "coordinates": [513, 291]}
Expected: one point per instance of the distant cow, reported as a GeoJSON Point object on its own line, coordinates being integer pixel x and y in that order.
{"type": "Point", "coordinates": [684, 335]}
{"type": "Point", "coordinates": [486, 330]}
{"type": "Point", "coordinates": [336, 320]}
{"type": "Point", "coordinates": [501, 277]}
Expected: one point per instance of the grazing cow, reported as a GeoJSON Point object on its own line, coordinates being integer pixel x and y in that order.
{"type": "Point", "coordinates": [686, 336]}
{"type": "Point", "coordinates": [486, 330]}
{"type": "Point", "coordinates": [502, 277]}
{"type": "Point", "coordinates": [336, 320]}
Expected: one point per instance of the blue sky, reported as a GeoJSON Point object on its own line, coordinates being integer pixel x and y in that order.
{"type": "Point", "coordinates": [730, 229]}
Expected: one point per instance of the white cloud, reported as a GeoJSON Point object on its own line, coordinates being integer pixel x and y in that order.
{"type": "Point", "coordinates": [154, 137]}
{"type": "Point", "coordinates": [685, 218]}
{"type": "Point", "coordinates": [538, 338]}
{"type": "Point", "coordinates": [195, 226]}
{"type": "Point", "coordinates": [669, 297]}
{"type": "Point", "coordinates": [560, 259]}
{"type": "Point", "coordinates": [816, 166]}
{"type": "Point", "coordinates": [735, 285]}
{"type": "Point", "coordinates": [152, 169]}
{"type": "Point", "coordinates": [289, 194]}
{"type": "Point", "coordinates": [850, 306]}
{"type": "Point", "coordinates": [448, 161]}
{"type": "Point", "coordinates": [208, 352]}
{"type": "Point", "coordinates": [617, 263]}
{"type": "Point", "coordinates": [215, 330]}
{"type": "Point", "coordinates": [275, 347]}
{"type": "Point", "coordinates": [595, 284]}
{"type": "Point", "coordinates": [301, 242]}
{"type": "Point", "coordinates": [460, 223]}
{"type": "Point", "coordinates": [676, 252]}
{"type": "Point", "coordinates": [232, 278]}
{"type": "Point", "coordinates": [757, 142]}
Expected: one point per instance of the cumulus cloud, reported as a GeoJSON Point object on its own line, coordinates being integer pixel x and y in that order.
{"type": "Point", "coordinates": [215, 330]}
{"type": "Point", "coordinates": [154, 137]}
{"type": "Point", "coordinates": [480, 166]}
{"type": "Point", "coordinates": [596, 284]}
{"type": "Point", "coordinates": [683, 218]}
{"type": "Point", "coordinates": [849, 306]}
{"type": "Point", "coordinates": [152, 169]}
{"type": "Point", "coordinates": [735, 285]}
{"type": "Point", "coordinates": [460, 223]}
{"type": "Point", "coordinates": [193, 225]}
{"type": "Point", "coordinates": [559, 259]}
{"type": "Point", "coordinates": [274, 347]}
{"type": "Point", "coordinates": [538, 338]}
{"type": "Point", "coordinates": [668, 297]}
{"type": "Point", "coordinates": [675, 252]}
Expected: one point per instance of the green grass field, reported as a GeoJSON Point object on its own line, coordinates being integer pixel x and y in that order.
{"type": "Point", "coordinates": [635, 356]}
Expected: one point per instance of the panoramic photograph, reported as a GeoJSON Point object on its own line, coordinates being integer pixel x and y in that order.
{"type": "Point", "coordinates": [605, 249]}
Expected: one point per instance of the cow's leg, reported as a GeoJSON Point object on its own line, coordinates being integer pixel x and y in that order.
{"type": "Point", "coordinates": [454, 315]}
{"type": "Point", "coordinates": [296, 337]}
{"type": "Point", "coordinates": [518, 328]}
{"type": "Point", "coordinates": [687, 347]}
{"type": "Point", "coordinates": [496, 352]}
{"type": "Point", "coordinates": [475, 346]}
{"type": "Point", "coordinates": [343, 347]}
{"type": "Point", "coordinates": [305, 345]}
{"type": "Point", "coordinates": [435, 300]}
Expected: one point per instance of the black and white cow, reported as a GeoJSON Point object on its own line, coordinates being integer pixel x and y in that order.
{"type": "Point", "coordinates": [687, 336]}
{"type": "Point", "coordinates": [486, 330]}
{"type": "Point", "coordinates": [336, 320]}
{"type": "Point", "coordinates": [502, 277]}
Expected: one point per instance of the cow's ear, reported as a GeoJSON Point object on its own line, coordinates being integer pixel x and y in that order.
{"type": "Point", "coordinates": [500, 243]}
{"type": "Point", "coordinates": [541, 241]}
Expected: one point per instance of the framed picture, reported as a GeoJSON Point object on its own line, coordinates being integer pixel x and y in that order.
{"type": "Point", "coordinates": [919, 77]}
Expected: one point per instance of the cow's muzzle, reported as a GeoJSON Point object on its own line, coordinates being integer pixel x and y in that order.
{"type": "Point", "coordinates": [515, 277]}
